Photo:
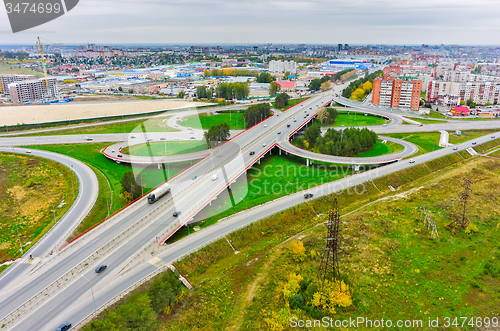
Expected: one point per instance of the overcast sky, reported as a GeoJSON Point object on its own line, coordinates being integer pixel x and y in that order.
{"type": "Point", "coordinates": [267, 21]}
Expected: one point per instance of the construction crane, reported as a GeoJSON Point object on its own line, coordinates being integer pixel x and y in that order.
{"type": "Point", "coordinates": [40, 48]}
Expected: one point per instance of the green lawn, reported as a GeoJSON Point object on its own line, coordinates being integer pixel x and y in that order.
{"type": "Point", "coordinates": [150, 125]}
{"type": "Point", "coordinates": [426, 141]}
{"type": "Point", "coordinates": [112, 173]}
{"type": "Point", "coordinates": [173, 148]}
{"type": "Point", "coordinates": [206, 120]}
{"type": "Point", "coordinates": [468, 135]}
{"type": "Point", "coordinates": [275, 177]}
{"type": "Point", "coordinates": [348, 119]}
{"type": "Point", "coordinates": [435, 114]}
{"type": "Point", "coordinates": [291, 103]}
{"type": "Point", "coordinates": [377, 150]}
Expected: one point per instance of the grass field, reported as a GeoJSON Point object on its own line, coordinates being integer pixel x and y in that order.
{"type": "Point", "coordinates": [15, 69]}
{"type": "Point", "coordinates": [435, 114]}
{"type": "Point", "coordinates": [150, 125]}
{"type": "Point", "coordinates": [291, 103]}
{"type": "Point", "coordinates": [32, 191]}
{"type": "Point", "coordinates": [426, 141]}
{"type": "Point", "coordinates": [357, 119]}
{"type": "Point", "coordinates": [112, 173]}
{"type": "Point", "coordinates": [468, 135]}
{"type": "Point", "coordinates": [207, 120]}
{"type": "Point", "coordinates": [388, 260]}
{"type": "Point", "coordinates": [377, 150]}
{"type": "Point", "coordinates": [173, 148]}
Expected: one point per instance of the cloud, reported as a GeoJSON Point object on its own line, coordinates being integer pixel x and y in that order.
{"type": "Point", "coordinates": [278, 21]}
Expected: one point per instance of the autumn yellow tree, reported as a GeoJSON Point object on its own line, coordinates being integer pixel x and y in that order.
{"type": "Point", "coordinates": [292, 286]}
{"type": "Point", "coordinates": [367, 87]}
{"type": "Point", "coordinates": [127, 197]}
{"type": "Point", "coordinates": [298, 251]}
{"type": "Point", "coordinates": [325, 86]}
{"type": "Point", "coordinates": [358, 94]}
{"type": "Point", "coordinates": [279, 320]}
{"type": "Point", "coordinates": [337, 294]}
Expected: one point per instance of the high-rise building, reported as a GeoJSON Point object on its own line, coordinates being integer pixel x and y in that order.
{"type": "Point", "coordinates": [339, 47]}
{"type": "Point", "coordinates": [282, 67]}
{"type": "Point", "coordinates": [33, 90]}
{"type": "Point", "coordinates": [393, 92]}
{"type": "Point", "coordinates": [6, 79]}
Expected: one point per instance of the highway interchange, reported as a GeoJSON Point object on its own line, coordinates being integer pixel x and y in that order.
{"type": "Point", "coordinates": [73, 301]}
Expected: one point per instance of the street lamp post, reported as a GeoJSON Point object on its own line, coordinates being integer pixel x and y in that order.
{"type": "Point", "coordinates": [91, 291]}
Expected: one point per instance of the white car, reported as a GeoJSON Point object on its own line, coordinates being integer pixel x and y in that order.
{"type": "Point", "coordinates": [214, 177]}
{"type": "Point", "coordinates": [264, 145]}
{"type": "Point", "coordinates": [455, 148]}
{"type": "Point", "coordinates": [412, 161]}
{"type": "Point", "coordinates": [265, 125]}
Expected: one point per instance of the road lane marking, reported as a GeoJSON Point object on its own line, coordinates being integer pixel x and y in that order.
{"type": "Point", "coordinates": [155, 261]}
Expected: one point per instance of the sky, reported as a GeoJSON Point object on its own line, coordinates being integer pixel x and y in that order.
{"type": "Point", "coordinates": [404, 22]}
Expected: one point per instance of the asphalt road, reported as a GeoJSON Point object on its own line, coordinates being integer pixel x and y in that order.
{"type": "Point", "coordinates": [75, 303]}
{"type": "Point", "coordinates": [16, 275]}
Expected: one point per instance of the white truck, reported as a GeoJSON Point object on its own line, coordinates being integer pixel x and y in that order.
{"type": "Point", "coordinates": [157, 193]}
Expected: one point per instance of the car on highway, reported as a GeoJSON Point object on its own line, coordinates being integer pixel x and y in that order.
{"type": "Point", "coordinates": [28, 152]}
{"type": "Point", "coordinates": [194, 177]}
{"type": "Point", "coordinates": [265, 125]}
{"type": "Point", "coordinates": [119, 155]}
{"type": "Point", "coordinates": [288, 125]}
{"type": "Point", "coordinates": [176, 138]}
{"type": "Point", "coordinates": [64, 327]}
{"type": "Point", "coordinates": [100, 268]}
{"type": "Point", "coordinates": [473, 143]}
{"type": "Point", "coordinates": [176, 213]}
{"type": "Point", "coordinates": [192, 138]}
{"type": "Point", "coordinates": [264, 145]}
{"type": "Point", "coordinates": [421, 125]}
{"type": "Point", "coordinates": [294, 120]}
{"type": "Point", "coordinates": [308, 195]}
{"type": "Point", "coordinates": [279, 132]}
{"type": "Point", "coordinates": [492, 137]}
{"type": "Point", "coordinates": [150, 139]}
{"type": "Point", "coordinates": [132, 137]}
{"type": "Point", "coordinates": [412, 161]}
{"type": "Point", "coordinates": [89, 139]}
{"type": "Point", "coordinates": [215, 176]}
{"type": "Point", "coordinates": [252, 153]}
{"type": "Point", "coordinates": [191, 132]}
{"type": "Point", "coordinates": [384, 125]}
{"type": "Point", "coordinates": [455, 148]}
{"type": "Point", "coordinates": [163, 138]}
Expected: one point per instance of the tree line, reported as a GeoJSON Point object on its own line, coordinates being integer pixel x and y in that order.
{"type": "Point", "coordinates": [231, 72]}
{"type": "Point", "coordinates": [256, 113]}
{"type": "Point", "coordinates": [347, 142]}
{"type": "Point", "coordinates": [357, 84]}
{"type": "Point", "coordinates": [324, 82]}
{"type": "Point", "coordinates": [231, 91]}
{"type": "Point", "coordinates": [216, 134]}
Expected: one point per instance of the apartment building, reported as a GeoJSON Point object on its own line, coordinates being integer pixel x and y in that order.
{"type": "Point", "coordinates": [282, 66]}
{"type": "Point", "coordinates": [6, 79]}
{"type": "Point", "coordinates": [401, 93]}
{"type": "Point", "coordinates": [33, 90]}
{"type": "Point", "coordinates": [449, 94]}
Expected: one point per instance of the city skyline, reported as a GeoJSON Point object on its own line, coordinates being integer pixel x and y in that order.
{"type": "Point", "coordinates": [312, 22]}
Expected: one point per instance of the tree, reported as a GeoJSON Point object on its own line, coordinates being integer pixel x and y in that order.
{"type": "Point", "coordinates": [286, 75]}
{"type": "Point", "coordinates": [201, 92]}
{"type": "Point", "coordinates": [325, 86]}
{"type": "Point", "coordinates": [256, 113]}
{"type": "Point", "coordinates": [129, 185]}
{"type": "Point", "coordinates": [281, 100]}
{"type": "Point", "coordinates": [120, 88]}
{"type": "Point", "coordinates": [298, 251]}
{"type": "Point", "coordinates": [274, 88]}
{"type": "Point", "coordinates": [462, 103]}
{"type": "Point", "coordinates": [312, 134]}
{"type": "Point", "coordinates": [315, 84]}
{"type": "Point", "coordinates": [265, 77]}
{"type": "Point", "coordinates": [181, 95]}
{"type": "Point", "coordinates": [164, 291]}
{"type": "Point", "coordinates": [217, 133]}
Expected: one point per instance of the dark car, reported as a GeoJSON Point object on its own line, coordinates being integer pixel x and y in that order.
{"type": "Point", "coordinates": [308, 195]}
{"type": "Point", "coordinates": [176, 213]}
{"type": "Point", "coordinates": [473, 143]}
{"type": "Point", "coordinates": [64, 327]}
{"type": "Point", "coordinates": [288, 125]}
{"type": "Point", "coordinates": [252, 152]}
{"type": "Point", "coordinates": [100, 268]}
{"type": "Point", "coordinates": [279, 132]}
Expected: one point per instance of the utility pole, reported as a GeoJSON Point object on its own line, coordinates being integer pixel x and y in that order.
{"type": "Point", "coordinates": [91, 291]}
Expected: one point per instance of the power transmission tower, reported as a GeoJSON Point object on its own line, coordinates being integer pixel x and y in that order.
{"type": "Point", "coordinates": [462, 219]}
{"type": "Point", "coordinates": [329, 267]}
{"type": "Point", "coordinates": [426, 218]}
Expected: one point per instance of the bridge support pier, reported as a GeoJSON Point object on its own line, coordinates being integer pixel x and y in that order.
{"type": "Point", "coordinates": [307, 162]}
{"type": "Point", "coordinates": [259, 161]}
{"type": "Point", "coordinates": [280, 151]}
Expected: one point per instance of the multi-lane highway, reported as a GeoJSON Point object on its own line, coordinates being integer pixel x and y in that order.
{"type": "Point", "coordinates": [73, 302]}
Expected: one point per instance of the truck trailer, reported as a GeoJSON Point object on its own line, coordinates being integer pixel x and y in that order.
{"type": "Point", "coordinates": [158, 193]}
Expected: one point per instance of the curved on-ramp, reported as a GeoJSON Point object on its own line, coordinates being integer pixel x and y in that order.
{"type": "Point", "coordinates": [87, 195]}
